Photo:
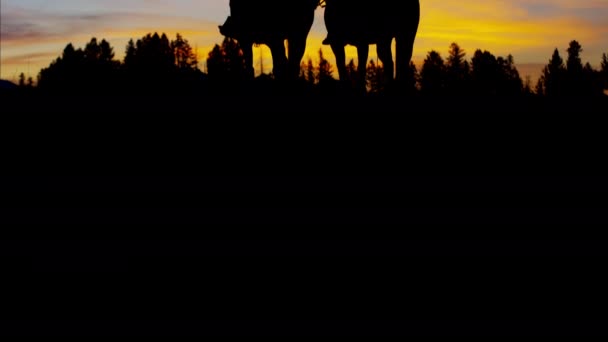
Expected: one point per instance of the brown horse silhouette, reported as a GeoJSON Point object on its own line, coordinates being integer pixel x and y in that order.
{"type": "Point", "coordinates": [361, 23]}
{"type": "Point", "coordinates": [252, 22]}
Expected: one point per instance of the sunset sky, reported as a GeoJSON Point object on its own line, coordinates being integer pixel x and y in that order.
{"type": "Point", "coordinates": [34, 32]}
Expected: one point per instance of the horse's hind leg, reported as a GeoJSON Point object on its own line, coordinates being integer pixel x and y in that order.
{"type": "Point", "coordinates": [247, 48]}
{"type": "Point", "coordinates": [405, 50]}
{"type": "Point", "coordinates": [340, 54]}
{"type": "Point", "coordinates": [279, 58]}
{"type": "Point", "coordinates": [385, 53]}
{"type": "Point", "coordinates": [297, 47]}
{"type": "Point", "coordinates": [363, 55]}
{"type": "Point", "coordinates": [405, 42]}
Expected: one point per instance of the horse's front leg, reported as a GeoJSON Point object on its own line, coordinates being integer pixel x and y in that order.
{"type": "Point", "coordinates": [340, 54]}
{"type": "Point", "coordinates": [363, 54]}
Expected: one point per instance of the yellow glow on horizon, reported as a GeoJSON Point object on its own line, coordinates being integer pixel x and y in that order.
{"type": "Point", "coordinates": [502, 27]}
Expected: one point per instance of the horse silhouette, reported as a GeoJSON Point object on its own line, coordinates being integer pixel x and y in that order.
{"type": "Point", "coordinates": [254, 22]}
{"type": "Point", "coordinates": [362, 23]}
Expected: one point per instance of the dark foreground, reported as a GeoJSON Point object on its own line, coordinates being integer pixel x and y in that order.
{"type": "Point", "coordinates": [304, 134]}
{"type": "Point", "coordinates": [303, 216]}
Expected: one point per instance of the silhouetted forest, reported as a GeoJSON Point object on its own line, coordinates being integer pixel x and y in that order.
{"type": "Point", "coordinates": [157, 64]}
{"type": "Point", "coordinates": [151, 64]}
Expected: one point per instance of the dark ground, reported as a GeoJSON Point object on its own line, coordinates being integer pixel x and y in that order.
{"type": "Point", "coordinates": [305, 134]}
{"type": "Point", "coordinates": [303, 216]}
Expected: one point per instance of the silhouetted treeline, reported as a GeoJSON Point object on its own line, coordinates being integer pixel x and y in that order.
{"type": "Point", "coordinates": [572, 78]}
{"type": "Point", "coordinates": [93, 67]}
{"type": "Point", "coordinates": [226, 66]}
{"type": "Point", "coordinates": [154, 63]}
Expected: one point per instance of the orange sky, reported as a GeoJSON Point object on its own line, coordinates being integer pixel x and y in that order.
{"type": "Point", "coordinates": [34, 32]}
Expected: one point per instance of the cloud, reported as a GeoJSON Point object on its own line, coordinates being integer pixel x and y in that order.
{"type": "Point", "coordinates": [518, 26]}
{"type": "Point", "coordinates": [31, 39]}
{"type": "Point", "coordinates": [34, 57]}
{"type": "Point", "coordinates": [19, 28]}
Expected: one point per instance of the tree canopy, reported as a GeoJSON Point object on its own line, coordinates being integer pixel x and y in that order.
{"type": "Point", "coordinates": [155, 63]}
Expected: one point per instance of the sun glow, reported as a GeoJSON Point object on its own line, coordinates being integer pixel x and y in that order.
{"type": "Point", "coordinates": [33, 35]}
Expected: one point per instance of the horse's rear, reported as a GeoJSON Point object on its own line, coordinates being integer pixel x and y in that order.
{"type": "Point", "coordinates": [271, 23]}
{"type": "Point", "coordinates": [362, 23]}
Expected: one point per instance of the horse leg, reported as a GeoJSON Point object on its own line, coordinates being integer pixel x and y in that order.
{"type": "Point", "coordinates": [247, 48]}
{"type": "Point", "coordinates": [385, 53]}
{"type": "Point", "coordinates": [405, 43]}
{"type": "Point", "coordinates": [363, 55]}
{"type": "Point", "coordinates": [279, 58]}
{"type": "Point", "coordinates": [405, 49]}
{"type": "Point", "coordinates": [340, 54]}
{"type": "Point", "coordinates": [297, 47]}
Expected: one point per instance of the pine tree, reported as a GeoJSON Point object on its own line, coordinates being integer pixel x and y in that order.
{"type": "Point", "coordinates": [456, 57]}
{"type": "Point", "coordinates": [591, 82]}
{"type": "Point", "coordinates": [66, 73]}
{"type": "Point", "coordinates": [375, 77]}
{"type": "Point", "coordinates": [154, 54]}
{"type": "Point", "coordinates": [486, 72]}
{"type": "Point", "coordinates": [574, 63]}
{"type": "Point", "coordinates": [351, 70]}
{"type": "Point", "coordinates": [106, 53]}
{"type": "Point", "coordinates": [226, 63]}
{"type": "Point", "coordinates": [457, 70]}
{"type": "Point", "coordinates": [574, 70]}
{"type": "Point", "coordinates": [129, 59]}
{"type": "Point", "coordinates": [512, 83]}
{"type": "Point", "coordinates": [554, 76]}
{"type": "Point", "coordinates": [324, 70]}
{"type": "Point", "coordinates": [99, 67]}
{"type": "Point", "coordinates": [185, 57]}
{"type": "Point", "coordinates": [433, 74]}
{"type": "Point", "coordinates": [22, 80]}
{"type": "Point", "coordinates": [310, 72]}
{"type": "Point", "coordinates": [71, 56]}
{"type": "Point", "coordinates": [167, 50]}
{"type": "Point", "coordinates": [92, 51]}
